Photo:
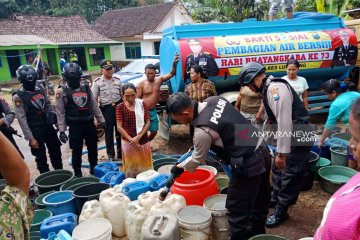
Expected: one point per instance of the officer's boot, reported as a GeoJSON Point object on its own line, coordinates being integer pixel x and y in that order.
{"type": "Point", "coordinates": [277, 217]}
{"type": "Point", "coordinates": [273, 200]}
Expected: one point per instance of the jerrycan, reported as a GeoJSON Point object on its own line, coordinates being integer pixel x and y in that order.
{"type": "Point", "coordinates": [147, 199]}
{"type": "Point", "coordinates": [147, 176]}
{"type": "Point", "coordinates": [160, 227]}
{"type": "Point", "coordinates": [135, 216]}
{"type": "Point", "coordinates": [159, 182]}
{"type": "Point", "coordinates": [123, 183]}
{"type": "Point", "coordinates": [114, 204]}
{"type": "Point", "coordinates": [102, 168]}
{"type": "Point", "coordinates": [133, 190]}
{"type": "Point", "coordinates": [91, 209]}
{"type": "Point", "coordinates": [171, 205]}
{"type": "Point", "coordinates": [112, 178]}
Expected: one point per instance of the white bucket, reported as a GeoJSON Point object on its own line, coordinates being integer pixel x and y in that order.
{"type": "Point", "coordinates": [211, 168]}
{"type": "Point", "coordinates": [93, 229]}
{"type": "Point", "coordinates": [220, 225]}
{"type": "Point", "coordinates": [194, 223]}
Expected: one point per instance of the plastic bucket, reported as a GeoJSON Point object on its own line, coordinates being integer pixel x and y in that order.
{"type": "Point", "coordinates": [39, 216]}
{"type": "Point", "coordinates": [343, 136]}
{"type": "Point", "coordinates": [39, 200]}
{"type": "Point", "coordinates": [194, 223]}
{"type": "Point", "coordinates": [35, 235]}
{"type": "Point", "coordinates": [267, 237]}
{"type": "Point", "coordinates": [339, 156]}
{"type": "Point", "coordinates": [53, 180]}
{"type": "Point", "coordinates": [77, 182]}
{"type": "Point", "coordinates": [163, 161]}
{"type": "Point", "coordinates": [222, 182]}
{"type": "Point", "coordinates": [334, 177]}
{"type": "Point", "coordinates": [309, 178]}
{"type": "Point", "coordinates": [158, 156]}
{"type": "Point", "coordinates": [211, 168]}
{"type": "Point", "coordinates": [88, 192]}
{"type": "Point", "coordinates": [93, 229]}
{"type": "Point", "coordinates": [190, 184]}
{"type": "Point", "coordinates": [219, 225]}
{"type": "Point", "coordinates": [323, 162]}
{"type": "Point", "coordinates": [60, 202]}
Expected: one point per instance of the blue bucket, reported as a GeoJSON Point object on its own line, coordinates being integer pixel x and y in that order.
{"type": "Point", "coordinates": [60, 202]}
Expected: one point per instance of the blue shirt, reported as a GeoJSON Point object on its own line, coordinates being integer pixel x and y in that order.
{"type": "Point", "coordinates": [340, 109]}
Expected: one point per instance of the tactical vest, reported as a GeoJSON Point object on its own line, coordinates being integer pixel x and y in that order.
{"type": "Point", "coordinates": [222, 117]}
{"type": "Point", "coordinates": [78, 104]}
{"type": "Point", "coordinates": [299, 112]}
{"type": "Point", "coordinates": [35, 106]}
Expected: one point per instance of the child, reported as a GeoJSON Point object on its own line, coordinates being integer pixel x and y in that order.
{"type": "Point", "coordinates": [133, 121]}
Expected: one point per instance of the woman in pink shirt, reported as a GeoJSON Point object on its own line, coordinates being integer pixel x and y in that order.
{"type": "Point", "coordinates": [341, 218]}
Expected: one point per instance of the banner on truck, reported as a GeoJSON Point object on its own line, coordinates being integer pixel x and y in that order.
{"type": "Point", "coordinates": [227, 54]}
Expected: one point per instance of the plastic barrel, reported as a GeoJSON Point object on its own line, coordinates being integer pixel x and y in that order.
{"type": "Point", "coordinates": [194, 223]}
{"type": "Point", "coordinates": [93, 229]}
{"type": "Point", "coordinates": [190, 184]}
{"type": "Point", "coordinates": [77, 182]}
{"type": "Point", "coordinates": [53, 180]}
{"type": "Point", "coordinates": [339, 156]}
{"type": "Point", "coordinates": [39, 216]}
{"type": "Point", "coordinates": [60, 202]}
{"type": "Point", "coordinates": [39, 200]}
{"type": "Point", "coordinates": [220, 225]}
{"type": "Point", "coordinates": [88, 192]}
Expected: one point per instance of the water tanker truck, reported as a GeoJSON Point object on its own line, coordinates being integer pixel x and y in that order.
{"type": "Point", "coordinates": [314, 39]}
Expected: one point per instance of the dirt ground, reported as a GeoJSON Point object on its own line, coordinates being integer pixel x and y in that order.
{"type": "Point", "coordinates": [305, 216]}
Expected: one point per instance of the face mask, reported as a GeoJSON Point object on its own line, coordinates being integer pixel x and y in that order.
{"type": "Point", "coordinates": [74, 83]}
{"type": "Point", "coordinates": [29, 86]}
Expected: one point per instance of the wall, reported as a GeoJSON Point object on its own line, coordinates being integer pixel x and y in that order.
{"type": "Point", "coordinates": [4, 70]}
{"type": "Point", "coordinates": [178, 16]}
{"type": "Point", "coordinates": [147, 48]}
{"type": "Point", "coordinates": [117, 52]}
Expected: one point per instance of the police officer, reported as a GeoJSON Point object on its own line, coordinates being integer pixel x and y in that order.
{"type": "Point", "coordinates": [346, 54]}
{"type": "Point", "coordinates": [107, 91]}
{"type": "Point", "coordinates": [31, 104]}
{"type": "Point", "coordinates": [284, 108]}
{"type": "Point", "coordinates": [217, 124]}
{"type": "Point", "coordinates": [204, 59]}
{"type": "Point", "coordinates": [6, 118]}
{"type": "Point", "coordinates": [76, 107]}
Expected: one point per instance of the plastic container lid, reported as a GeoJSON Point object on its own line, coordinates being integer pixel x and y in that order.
{"type": "Point", "coordinates": [216, 202]}
{"type": "Point", "coordinates": [93, 229]}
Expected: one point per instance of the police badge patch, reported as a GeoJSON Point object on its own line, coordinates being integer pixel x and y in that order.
{"type": "Point", "coordinates": [38, 101]}
{"type": "Point", "coordinates": [80, 98]}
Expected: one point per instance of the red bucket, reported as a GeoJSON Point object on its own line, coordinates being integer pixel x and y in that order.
{"type": "Point", "coordinates": [196, 186]}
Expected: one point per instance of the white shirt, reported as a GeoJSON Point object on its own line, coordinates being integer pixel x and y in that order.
{"type": "Point", "coordinates": [299, 85]}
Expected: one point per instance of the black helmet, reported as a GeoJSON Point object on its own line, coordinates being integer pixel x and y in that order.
{"type": "Point", "coordinates": [26, 74]}
{"type": "Point", "coordinates": [249, 71]}
{"type": "Point", "coordinates": [72, 71]}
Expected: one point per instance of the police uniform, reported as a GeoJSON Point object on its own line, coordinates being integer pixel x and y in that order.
{"type": "Point", "coordinates": [8, 117]}
{"type": "Point", "coordinates": [73, 57]}
{"type": "Point", "coordinates": [108, 94]}
{"type": "Point", "coordinates": [77, 108]}
{"type": "Point", "coordinates": [215, 122]}
{"type": "Point", "coordinates": [288, 115]}
{"type": "Point", "coordinates": [205, 60]}
{"type": "Point", "coordinates": [345, 55]}
{"type": "Point", "coordinates": [30, 108]}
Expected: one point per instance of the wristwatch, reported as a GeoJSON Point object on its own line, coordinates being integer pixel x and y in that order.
{"type": "Point", "coordinates": [281, 154]}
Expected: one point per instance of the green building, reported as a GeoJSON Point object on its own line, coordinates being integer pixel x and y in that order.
{"type": "Point", "coordinates": [22, 37]}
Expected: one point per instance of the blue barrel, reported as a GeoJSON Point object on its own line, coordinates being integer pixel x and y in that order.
{"type": "Point", "coordinates": [133, 190]}
{"type": "Point", "coordinates": [102, 168]}
{"type": "Point", "coordinates": [113, 178]}
{"type": "Point", "coordinates": [60, 202]}
{"type": "Point", "coordinates": [159, 182]}
{"type": "Point", "coordinates": [67, 222]}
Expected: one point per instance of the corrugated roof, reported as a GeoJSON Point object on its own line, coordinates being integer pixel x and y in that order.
{"type": "Point", "coordinates": [21, 40]}
{"type": "Point", "coordinates": [56, 29]}
{"type": "Point", "coordinates": [132, 21]}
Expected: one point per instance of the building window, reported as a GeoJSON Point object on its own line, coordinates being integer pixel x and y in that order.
{"type": "Point", "coordinates": [96, 56]}
{"type": "Point", "coordinates": [133, 50]}
{"type": "Point", "coordinates": [157, 48]}
{"type": "Point", "coordinates": [29, 56]}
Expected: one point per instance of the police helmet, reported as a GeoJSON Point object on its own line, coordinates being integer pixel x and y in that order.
{"type": "Point", "coordinates": [26, 73]}
{"type": "Point", "coordinates": [249, 71]}
{"type": "Point", "coordinates": [72, 71]}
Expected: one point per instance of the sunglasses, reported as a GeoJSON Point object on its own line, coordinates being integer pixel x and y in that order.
{"type": "Point", "coordinates": [108, 69]}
